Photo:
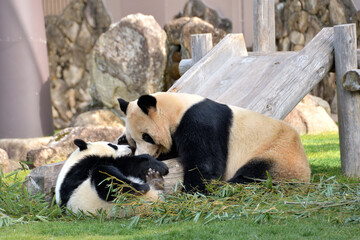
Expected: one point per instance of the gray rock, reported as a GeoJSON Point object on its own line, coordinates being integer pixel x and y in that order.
{"type": "Point", "coordinates": [337, 12]}
{"type": "Point", "coordinates": [42, 156]}
{"type": "Point", "coordinates": [173, 29]}
{"type": "Point", "coordinates": [197, 8]}
{"type": "Point", "coordinates": [128, 60]}
{"type": "Point", "coordinates": [100, 117]}
{"type": "Point", "coordinates": [299, 21]}
{"type": "Point", "coordinates": [43, 180]}
{"type": "Point", "coordinates": [198, 26]}
{"type": "Point", "coordinates": [4, 159]}
{"type": "Point", "coordinates": [17, 148]}
{"type": "Point", "coordinates": [70, 39]}
{"type": "Point", "coordinates": [85, 39]}
{"type": "Point", "coordinates": [62, 145]}
{"type": "Point", "coordinates": [69, 28]}
{"type": "Point", "coordinates": [313, 6]}
{"type": "Point", "coordinates": [73, 75]}
{"type": "Point", "coordinates": [63, 141]}
{"type": "Point", "coordinates": [297, 38]}
{"type": "Point", "coordinates": [310, 117]}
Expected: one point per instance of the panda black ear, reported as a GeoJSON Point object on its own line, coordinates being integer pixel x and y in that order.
{"type": "Point", "coordinates": [146, 102]}
{"type": "Point", "coordinates": [81, 144]}
{"type": "Point", "coordinates": [123, 105]}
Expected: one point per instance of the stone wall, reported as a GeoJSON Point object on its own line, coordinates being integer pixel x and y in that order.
{"type": "Point", "coordinates": [70, 39]}
{"type": "Point", "coordinates": [298, 21]}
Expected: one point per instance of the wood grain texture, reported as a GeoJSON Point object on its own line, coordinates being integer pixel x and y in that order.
{"type": "Point", "coordinates": [270, 83]}
{"type": "Point", "coordinates": [201, 44]}
{"type": "Point", "coordinates": [351, 80]}
{"type": "Point", "coordinates": [348, 102]}
{"type": "Point", "coordinates": [264, 25]}
{"type": "Point", "coordinates": [231, 45]}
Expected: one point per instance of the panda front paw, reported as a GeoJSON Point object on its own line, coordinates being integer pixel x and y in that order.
{"type": "Point", "coordinates": [142, 188]}
{"type": "Point", "coordinates": [155, 180]}
{"type": "Point", "coordinates": [150, 162]}
{"type": "Point", "coordinates": [160, 167]}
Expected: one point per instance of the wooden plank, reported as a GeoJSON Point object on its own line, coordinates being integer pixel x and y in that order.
{"type": "Point", "coordinates": [231, 45]}
{"type": "Point", "coordinates": [351, 80]}
{"type": "Point", "coordinates": [264, 25]}
{"type": "Point", "coordinates": [271, 83]}
{"type": "Point", "coordinates": [348, 102]}
{"type": "Point", "coordinates": [286, 81]}
{"type": "Point", "coordinates": [201, 44]}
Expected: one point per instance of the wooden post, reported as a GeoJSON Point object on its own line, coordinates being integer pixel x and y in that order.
{"type": "Point", "coordinates": [264, 25]}
{"type": "Point", "coordinates": [348, 102]}
{"type": "Point", "coordinates": [201, 44]}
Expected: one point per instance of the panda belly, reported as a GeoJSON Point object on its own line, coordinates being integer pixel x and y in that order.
{"type": "Point", "coordinates": [86, 198]}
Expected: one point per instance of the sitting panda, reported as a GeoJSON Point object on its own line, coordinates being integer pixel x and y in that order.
{"type": "Point", "coordinates": [83, 182]}
{"type": "Point", "coordinates": [213, 140]}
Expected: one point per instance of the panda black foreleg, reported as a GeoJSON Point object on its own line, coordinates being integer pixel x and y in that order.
{"type": "Point", "coordinates": [197, 175]}
{"type": "Point", "coordinates": [99, 178]}
{"type": "Point", "coordinates": [138, 166]}
{"type": "Point", "coordinates": [252, 171]}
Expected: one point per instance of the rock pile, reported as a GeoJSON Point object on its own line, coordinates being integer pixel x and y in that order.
{"type": "Point", "coordinates": [97, 125]}
{"type": "Point", "coordinates": [70, 39]}
{"type": "Point", "coordinates": [298, 21]}
{"type": "Point", "coordinates": [196, 18]}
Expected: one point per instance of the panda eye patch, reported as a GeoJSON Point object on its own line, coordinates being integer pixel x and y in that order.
{"type": "Point", "coordinates": [113, 146]}
{"type": "Point", "coordinates": [146, 137]}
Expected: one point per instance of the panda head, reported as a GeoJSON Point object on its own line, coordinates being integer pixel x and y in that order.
{"type": "Point", "coordinates": [148, 124]}
{"type": "Point", "coordinates": [96, 148]}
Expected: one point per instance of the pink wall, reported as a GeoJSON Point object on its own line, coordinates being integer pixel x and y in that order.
{"type": "Point", "coordinates": [240, 12]}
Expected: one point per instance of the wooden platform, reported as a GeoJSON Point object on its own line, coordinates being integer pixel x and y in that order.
{"type": "Point", "coordinates": [270, 83]}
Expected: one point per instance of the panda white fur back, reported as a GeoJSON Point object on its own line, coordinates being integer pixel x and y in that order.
{"type": "Point", "coordinates": [82, 185]}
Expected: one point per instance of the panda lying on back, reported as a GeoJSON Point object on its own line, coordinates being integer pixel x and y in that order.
{"type": "Point", "coordinates": [83, 182]}
{"type": "Point", "coordinates": [214, 140]}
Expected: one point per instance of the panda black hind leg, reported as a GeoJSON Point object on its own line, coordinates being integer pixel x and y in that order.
{"type": "Point", "coordinates": [252, 171]}
{"type": "Point", "coordinates": [100, 178]}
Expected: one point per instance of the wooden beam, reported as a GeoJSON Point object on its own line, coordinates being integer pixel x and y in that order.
{"type": "Point", "coordinates": [351, 80]}
{"type": "Point", "coordinates": [230, 46]}
{"type": "Point", "coordinates": [201, 44]}
{"type": "Point", "coordinates": [264, 25]}
{"type": "Point", "coordinates": [271, 83]}
{"type": "Point", "coordinates": [348, 102]}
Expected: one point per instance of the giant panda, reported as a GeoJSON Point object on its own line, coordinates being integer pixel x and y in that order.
{"type": "Point", "coordinates": [213, 140]}
{"type": "Point", "coordinates": [83, 182]}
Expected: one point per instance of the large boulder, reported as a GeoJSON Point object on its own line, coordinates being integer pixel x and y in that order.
{"type": "Point", "coordinates": [100, 117]}
{"type": "Point", "coordinates": [197, 26]}
{"type": "Point", "coordinates": [62, 145]}
{"type": "Point", "coordinates": [6, 164]}
{"type": "Point", "coordinates": [197, 8]}
{"type": "Point", "coordinates": [128, 60]}
{"type": "Point", "coordinates": [17, 148]}
{"type": "Point", "coordinates": [311, 116]}
{"type": "Point", "coordinates": [179, 31]}
{"type": "Point", "coordinates": [43, 180]}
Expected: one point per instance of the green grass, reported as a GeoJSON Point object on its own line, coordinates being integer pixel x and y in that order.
{"type": "Point", "coordinates": [328, 208]}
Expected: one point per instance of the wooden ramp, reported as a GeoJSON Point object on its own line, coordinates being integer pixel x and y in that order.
{"type": "Point", "coordinates": [270, 83]}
